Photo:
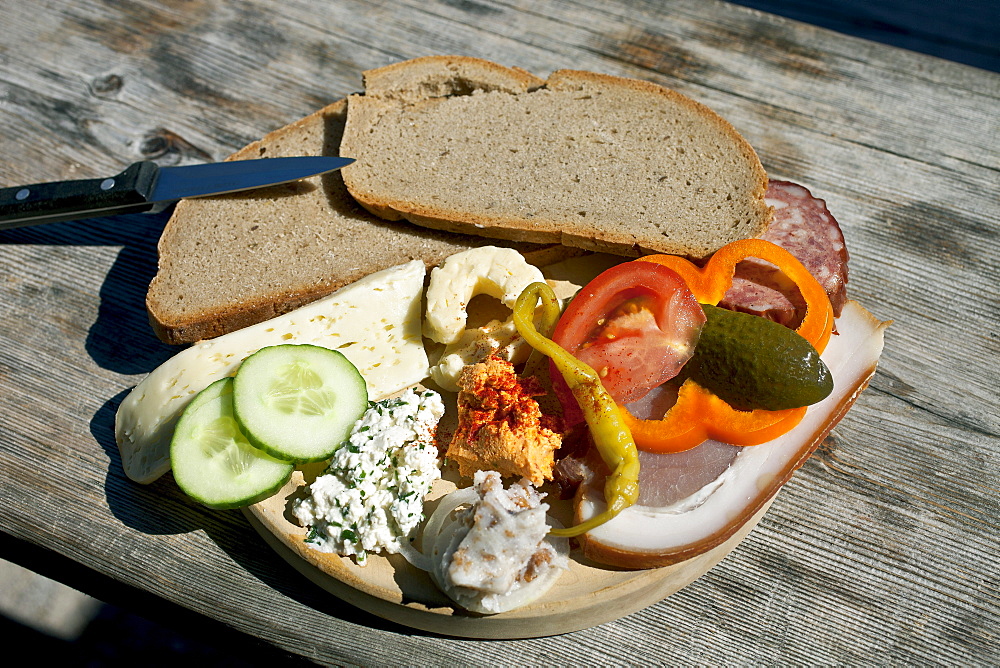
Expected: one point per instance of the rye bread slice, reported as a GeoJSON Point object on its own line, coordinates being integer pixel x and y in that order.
{"type": "Point", "coordinates": [233, 261]}
{"type": "Point", "coordinates": [587, 160]}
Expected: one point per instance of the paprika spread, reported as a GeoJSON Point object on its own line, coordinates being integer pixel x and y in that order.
{"type": "Point", "coordinates": [500, 426]}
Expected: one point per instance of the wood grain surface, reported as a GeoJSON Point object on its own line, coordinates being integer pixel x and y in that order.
{"type": "Point", "coordinates": [882, 549]}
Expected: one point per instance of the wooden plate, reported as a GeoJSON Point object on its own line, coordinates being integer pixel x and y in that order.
{"type": "Point", "coordinates": [586, 595]}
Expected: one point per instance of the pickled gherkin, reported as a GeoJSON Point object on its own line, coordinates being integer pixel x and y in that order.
{"type": "Point", "coordinates": [753, 363]}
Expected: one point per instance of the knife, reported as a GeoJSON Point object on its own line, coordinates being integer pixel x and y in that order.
{"type": "Point", "coordinates": [145, 187]}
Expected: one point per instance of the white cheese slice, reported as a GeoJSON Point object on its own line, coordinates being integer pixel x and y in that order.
{"type": "Point", "coordinates": [375, 323]}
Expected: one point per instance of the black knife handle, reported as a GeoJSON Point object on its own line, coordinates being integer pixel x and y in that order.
{"type": "Point", "coordinates": [127, 192]}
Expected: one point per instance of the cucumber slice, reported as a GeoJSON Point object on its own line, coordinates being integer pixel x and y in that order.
{"type": "Point", "coordinates": [298, 402]}
{"type": "Point", "coordinates": [212, 459]}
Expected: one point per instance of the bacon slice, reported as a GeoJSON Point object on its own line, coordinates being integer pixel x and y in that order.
{"type": "Point", "coordinates": [662, 530]}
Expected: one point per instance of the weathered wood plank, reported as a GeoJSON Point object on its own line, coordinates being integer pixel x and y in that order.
{"type": "Point", "coordinates": [881, 550]}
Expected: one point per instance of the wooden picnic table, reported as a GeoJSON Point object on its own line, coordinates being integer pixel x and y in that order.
{"type": "Point", "coordinates": [882, 549]}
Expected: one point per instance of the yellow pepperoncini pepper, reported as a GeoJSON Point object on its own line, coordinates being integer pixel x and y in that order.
{"type": "Point", "coordinates": [603, 417]}
{"type": "Point", "coordinates": [698, 414]}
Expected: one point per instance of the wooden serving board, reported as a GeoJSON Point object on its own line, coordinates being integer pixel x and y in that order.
{"type": "Point", "coordinates": [586, 595]}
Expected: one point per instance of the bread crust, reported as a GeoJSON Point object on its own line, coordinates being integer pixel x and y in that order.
{"type": "Point", "coordinates": [441, 76]}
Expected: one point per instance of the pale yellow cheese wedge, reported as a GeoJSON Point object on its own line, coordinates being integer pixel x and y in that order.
{"type": "Point", "coordinates": [375, 323]}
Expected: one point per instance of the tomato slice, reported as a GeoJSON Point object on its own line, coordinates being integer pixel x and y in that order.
{"type": "Point", "coordinates": [636, 324]}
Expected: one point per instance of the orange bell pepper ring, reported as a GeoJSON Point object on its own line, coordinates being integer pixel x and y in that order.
{"type": "Point", "coordinates": [710, 283]}
{"type": "Point", "coordinates": [698, 414]}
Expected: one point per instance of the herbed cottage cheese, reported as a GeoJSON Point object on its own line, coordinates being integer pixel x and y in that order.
{"type": "Point", "coordinates": [372, 494]}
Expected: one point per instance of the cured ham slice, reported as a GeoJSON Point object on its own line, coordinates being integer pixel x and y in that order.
{"type": "Point", "coordinates": [670, 477]}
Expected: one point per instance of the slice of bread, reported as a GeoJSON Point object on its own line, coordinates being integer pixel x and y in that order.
{"type": "Point", "coordinates": [229, 262]}
{"type": "Point", "coordinates": [588, 160]}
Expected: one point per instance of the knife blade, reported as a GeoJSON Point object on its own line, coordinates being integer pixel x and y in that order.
{"type": "Point", "coordinates": [145, 187]}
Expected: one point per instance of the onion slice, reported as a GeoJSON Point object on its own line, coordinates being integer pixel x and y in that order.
{"type": "Point", "coordinates": [643, 536]}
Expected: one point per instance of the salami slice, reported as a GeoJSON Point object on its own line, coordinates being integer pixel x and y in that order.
{"type": "Point", "coordinates": [803, 226]}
